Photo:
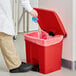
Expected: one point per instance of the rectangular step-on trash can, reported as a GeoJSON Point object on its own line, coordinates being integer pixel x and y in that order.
{"type": "Point", "coordinates": [45, 50]}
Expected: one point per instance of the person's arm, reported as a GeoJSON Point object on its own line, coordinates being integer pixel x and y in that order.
{"type": "Point", "coordinates": [27, 6]}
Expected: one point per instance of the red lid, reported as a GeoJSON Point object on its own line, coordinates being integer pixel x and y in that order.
{"type": "Point", "coordinates": [50, 22]}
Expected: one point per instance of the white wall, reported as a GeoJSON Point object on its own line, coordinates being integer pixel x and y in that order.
{"type": "Point", "coordinates": [74, 30]}
{"type": "Point", "coordinates": [64, 8]}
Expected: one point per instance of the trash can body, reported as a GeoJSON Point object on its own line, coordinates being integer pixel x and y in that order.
{"type": "Point", "coordinates": [41, 48]}
{"type": "Point", "coordinates": [46, 53]}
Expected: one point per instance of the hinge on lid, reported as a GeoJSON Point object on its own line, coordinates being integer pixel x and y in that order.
{"type": "Point", "coordinates": [65, 35]}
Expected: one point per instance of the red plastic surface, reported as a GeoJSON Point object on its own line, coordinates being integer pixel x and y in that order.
{"type": "Point", "coordinates": [45, 52]}
{"type": "Point", "coordinates": [48, 57]}
{"type": "Point", "coordinates": [49, 21]}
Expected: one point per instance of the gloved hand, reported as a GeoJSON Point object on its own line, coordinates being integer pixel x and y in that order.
{"type": "Point", "coordinates": [33, 13]}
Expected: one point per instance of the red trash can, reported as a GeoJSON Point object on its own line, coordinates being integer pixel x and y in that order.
{"type": "Point", "coordinates": [46, 51]}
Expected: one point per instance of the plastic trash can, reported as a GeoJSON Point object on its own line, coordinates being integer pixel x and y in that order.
{"type": "Point", "coordinates": [46, 50]}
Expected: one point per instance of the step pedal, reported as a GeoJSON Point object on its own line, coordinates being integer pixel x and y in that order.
{"type": "Point", "coordinates": [36, 68]}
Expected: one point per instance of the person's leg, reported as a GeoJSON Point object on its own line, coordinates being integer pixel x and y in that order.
{"type": "Point", "coordinates": [12, 59]}
{"type": "Point", "coordinates": [10, 55]}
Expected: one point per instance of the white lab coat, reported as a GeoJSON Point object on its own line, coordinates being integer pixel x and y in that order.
{"type": "Point", "coordinates": [6, 20]}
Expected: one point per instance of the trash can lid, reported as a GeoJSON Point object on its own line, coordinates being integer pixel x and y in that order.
{"type": "Point", "coordinates": [49, 21]}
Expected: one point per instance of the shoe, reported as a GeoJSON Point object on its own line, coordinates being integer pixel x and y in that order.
{"type": "Point", "coordinates": [24, 67]}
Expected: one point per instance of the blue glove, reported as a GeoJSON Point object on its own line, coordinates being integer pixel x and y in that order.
{"type": "Point", "coordinates": [34, 19]}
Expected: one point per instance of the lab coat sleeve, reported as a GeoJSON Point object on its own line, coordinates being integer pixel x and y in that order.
{"type": "Point", "coordinates": [26, 5]}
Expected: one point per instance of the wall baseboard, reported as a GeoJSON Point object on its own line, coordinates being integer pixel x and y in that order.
{"type": "Point", "coordinates": [69, 64]}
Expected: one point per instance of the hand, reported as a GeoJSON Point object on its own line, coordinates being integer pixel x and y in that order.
{"type": "Point", "coordinates": [34, 13]}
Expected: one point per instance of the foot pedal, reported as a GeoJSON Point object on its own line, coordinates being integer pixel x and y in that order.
{"type": "Point", "coordinates": [36, 68]}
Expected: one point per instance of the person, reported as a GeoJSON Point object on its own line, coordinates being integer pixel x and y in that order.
{"type": "Point", "coordinates": [8, 49]}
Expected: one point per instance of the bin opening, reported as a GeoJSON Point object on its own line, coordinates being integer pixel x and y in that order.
{"type": "Point", "coordinates": [44, 35]}
{"type": "Point", "coordinates": [42, 38]}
